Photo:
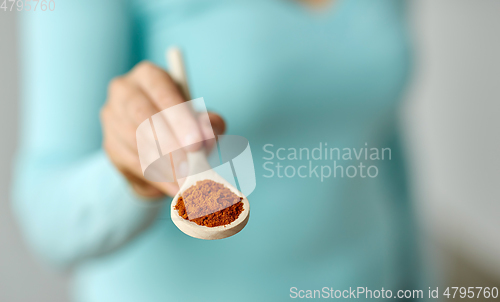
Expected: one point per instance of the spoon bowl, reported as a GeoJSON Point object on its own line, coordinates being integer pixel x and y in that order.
{"type": "Point", "coordinates": [197, 161]}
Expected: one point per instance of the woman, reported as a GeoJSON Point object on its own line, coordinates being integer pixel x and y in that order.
{"type": "Point", "coordinates": [282, 74]}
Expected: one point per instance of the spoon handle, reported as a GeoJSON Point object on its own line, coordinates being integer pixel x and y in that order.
{"type": "Point", "coordinates": [197, 160]}
{"type": "Point", "coordinates": [178, 71]}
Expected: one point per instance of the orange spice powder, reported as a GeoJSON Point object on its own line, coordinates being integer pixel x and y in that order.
{"type": "Point", "coordinates": [208, 196]}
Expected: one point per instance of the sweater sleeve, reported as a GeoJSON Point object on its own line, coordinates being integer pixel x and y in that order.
{"type": "Point", "coordinates": [70, 201]}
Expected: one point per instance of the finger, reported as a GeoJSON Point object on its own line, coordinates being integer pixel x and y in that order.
{"type": "Point", "coordinates": [167, 145]}
{"type": "Point", "coordinates": [216, 127]}
{"type": "Point", "coordinates": [124, 128]}
{"type": "Point", "coordinates": [129, 100]}
{"type": "Point", "coordinates": [164, 93]}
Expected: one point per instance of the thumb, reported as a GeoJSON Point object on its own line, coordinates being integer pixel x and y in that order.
{"type": "Point", "coordinates": [217, 127]}
{"type": "Point", "coordinates": [218, 124]}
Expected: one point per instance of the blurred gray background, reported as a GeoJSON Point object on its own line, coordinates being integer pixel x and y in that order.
{"type": "Point", "coordinates": [452, 123]}
{"type": "Point", "coordinates": [22, 278]}
{"type": "Point", "coordinates": [452, 129]}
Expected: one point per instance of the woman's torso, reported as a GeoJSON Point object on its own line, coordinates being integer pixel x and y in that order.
{"type": "Point", "coordinates": [284, 75]}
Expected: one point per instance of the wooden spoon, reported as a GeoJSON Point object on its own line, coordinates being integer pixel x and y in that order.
{"type": "Point", "coordinates": [197, 161]}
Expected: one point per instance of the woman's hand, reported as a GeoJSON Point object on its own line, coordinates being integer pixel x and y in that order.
{"type": "Point", "coordinates": [133, 98]}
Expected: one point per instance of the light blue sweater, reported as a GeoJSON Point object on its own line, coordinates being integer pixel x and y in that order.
{"type": "Point", "coordinates": [280, 74]}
